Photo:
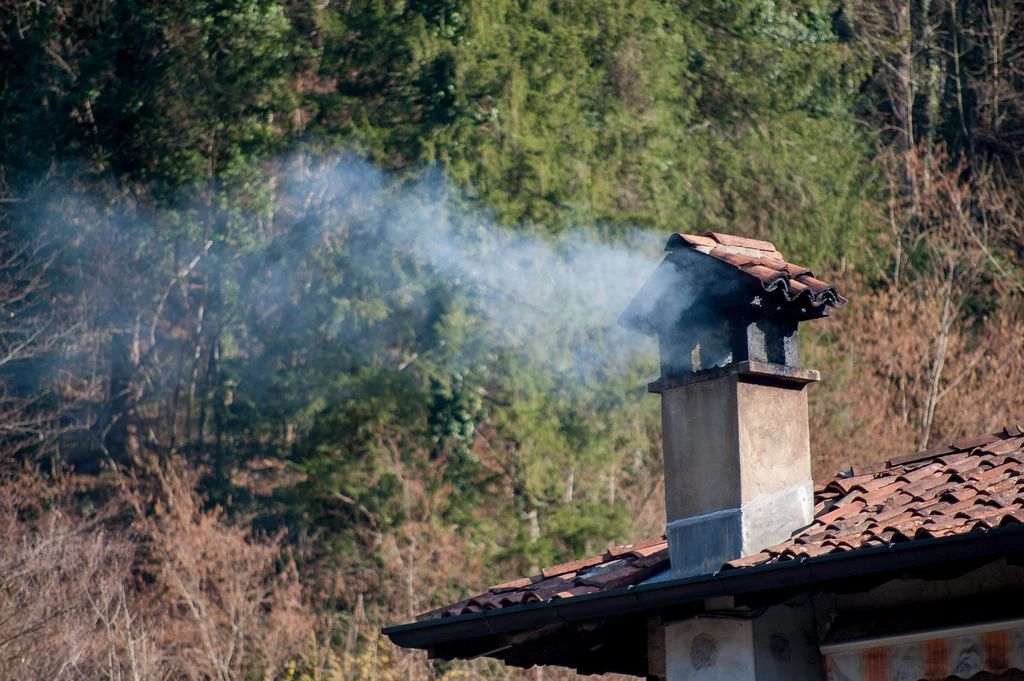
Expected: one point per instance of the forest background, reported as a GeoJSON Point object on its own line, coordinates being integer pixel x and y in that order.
{"type": "Point", "coordinates": [308, 306]}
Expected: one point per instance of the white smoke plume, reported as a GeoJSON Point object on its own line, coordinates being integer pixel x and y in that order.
{"type": "Point", "coordinates": [538, 289]}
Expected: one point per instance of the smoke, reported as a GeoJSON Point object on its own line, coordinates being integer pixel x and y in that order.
{"type": "Point", "coordinates": [352, 265]}
{"type": "Point", "coordinates": [554, 297]}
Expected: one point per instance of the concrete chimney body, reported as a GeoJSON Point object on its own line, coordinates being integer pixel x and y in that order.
{"type": "Point", "coordinates": [737, 462]}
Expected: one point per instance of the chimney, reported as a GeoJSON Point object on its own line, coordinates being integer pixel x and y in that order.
{"type": "Point", "coordinates": [733, 401]}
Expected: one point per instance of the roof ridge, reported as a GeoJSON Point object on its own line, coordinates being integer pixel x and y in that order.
{"type": "Point", "coordinates": [964, 444]}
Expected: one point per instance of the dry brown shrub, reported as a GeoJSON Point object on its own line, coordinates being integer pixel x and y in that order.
{"type": "Point", "coordinates": [65, 607]}
{"type": "Point", "coordinates": [228, 601]}
{"type": "Point", "coordinates": [178, 593]}
{"type": "Point", "coordinates": [931, 351]}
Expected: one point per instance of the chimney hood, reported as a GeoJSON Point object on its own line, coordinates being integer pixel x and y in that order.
{"type": "Point", "coordinates": [725, 310]}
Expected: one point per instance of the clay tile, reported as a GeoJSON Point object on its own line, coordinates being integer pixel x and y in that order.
{"type": "Point", "coordinates": [778, 548]}
{"type": "Point", "coordinates": [742, 242]}
{"type": "Point", "coordinates": [514, 598]}
{"type": "Point", "coordinates": [961, 466]}
{"type": "Point", "coordinates": [952, 458]}
{"type": "Point", "coordinates": [959, 494]}
{"type": "Point", "coordinates": [953, 509]}
{"type": "Point", "coordinates": [658, 559]}
{"type": "Point", "coordinates": [996, 473]}
{"type": "Point", "coordinates": [876, 483]}
{"type": "Point", "coordinates": [841, 512]}
{"type": "Point", "coordinates": [747, 561]}
{"type": "Point", "coordinates": [572, 566]}
{"type": "Point", "coordinates": [815, 538]}
{"type": "Point", "coordinates": [1012, 518]}
{"type": "Point", "coordinates": [485, 601]}
{"type": "Point", "coordinates": [919, 489]}
{"type": "Point", "coordinates": [980, 512]}
{"type": "Point", "coordinates": [816, 550]}
{"type": "Point", "coordinates": [1008, 484]}
{"type": "Point", "coordinates": [740, 260]}
{"type": "Point", "coordinates": [895, 516]}
{"type": "Point", "coordinates": [920, 473]}
{"type": "Point", "coordinates": [650, 550]}
{"type": "Point", "coordinates": [844, 485]}
{"type": "Point", "coordinates": [796, 271]}
{"type": "Point", "coordinates": [939, 532]}
{"type": "Point", "coordinates": [796, 288]}
{"type": "Point", "coordinates": [576, 591]}
{"type": "Point", "coordinates": [816, 285]}
{"type": "Point", "coordinates": [1004, 446]}
{"type": "Point", "coordinates": [1013, 431]}
{"type": "Point", "coordinates": [968, 443]}
{"type": "Point", "coordinates": [868, 469]}
{"type": "Point", "coordinates": [557, 582]}
{"type": "Point", "coordinates": [617, 551]}
{"type": "Point", "coordinates": [883, 492]}
{"type": "Point", "coordinates": [1003, 501]}
{"type": "Point", "coordinates": [694, 240]}
{"type": "Point", "coordinates": [930, 487]}
{"type": "Point", "coordinates": [436, 614]}
{"type": "Point", "coordinates": [943, 522]}
{"type": "Point", "coordinates": [921, 456]}
{"type": "Point", "coordinates": [766, 274]}
{"type": "Point", "coordinates": [820, 484]}
{"type": "Point", "coordinates": [905, 527]}
{"type": "Point", "coordinates": [514, 585]}
{"type": "Point", "coordinates": [774, 265]}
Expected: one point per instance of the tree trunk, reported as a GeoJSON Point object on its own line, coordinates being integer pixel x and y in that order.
{"type": "Point", "coordinates": [122, 438]}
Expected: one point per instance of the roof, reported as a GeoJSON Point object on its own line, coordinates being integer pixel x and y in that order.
{"type": "Point", "coordinates": [971, 485]}
{"type": "Point", "coordinates": [619, 566]}
{"type": "Point", "coordinates": [762, 261]}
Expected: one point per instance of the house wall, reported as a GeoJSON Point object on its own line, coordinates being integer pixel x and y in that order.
{"type": "Point", "coordinates": [777, 645]}
{"type": "Point", "coordinates": [784, 641]}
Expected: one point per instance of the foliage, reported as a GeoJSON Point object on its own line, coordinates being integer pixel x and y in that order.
{"type": "Point", "coordinates": [194, 265]}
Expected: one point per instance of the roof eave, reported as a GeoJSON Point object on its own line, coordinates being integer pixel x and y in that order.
{"type": "Point", "coordinates": [893, 557]}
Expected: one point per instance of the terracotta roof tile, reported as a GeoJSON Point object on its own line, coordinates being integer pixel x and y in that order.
{"type": "Point", "coordinates": [742, 242]}
{"type": "Point", "coordinates": [1004, 446]}
{"type": "Point", "coordinates": [620, 566]}
{"type": "Point", "coordinates": [972, 485]}
{"type": "Point", "coordinates": [694, 240]}
{"type": "Point", "coordinates": [572, 566]}
{"type": "Point", "coordinates": [514, 585]}
{"type": "Point", "coordinates": [968, 443]}
{"type": "Point", "coordinates": [761, 260]}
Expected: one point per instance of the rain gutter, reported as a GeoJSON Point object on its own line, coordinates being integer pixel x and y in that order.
{"type": "Point", "coordinates": [652, 596]}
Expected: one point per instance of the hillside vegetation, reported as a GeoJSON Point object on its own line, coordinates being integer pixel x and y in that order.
{"type": "Point", "coordinates": [308, 307]}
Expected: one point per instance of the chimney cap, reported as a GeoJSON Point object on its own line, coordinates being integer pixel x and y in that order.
{"type": "Point", "coordinates": [790, 289]}
{"type": "Point", "coordinates": [763, 261]}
